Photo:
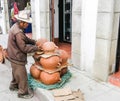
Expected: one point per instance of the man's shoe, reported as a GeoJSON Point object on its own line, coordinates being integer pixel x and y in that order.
{"type": "Point", "coordinates": [26, 96]}
{"type": "Point", "coordinates": [13, 88]}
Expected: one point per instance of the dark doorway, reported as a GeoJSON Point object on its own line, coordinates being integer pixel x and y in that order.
{"type": "Point", "coordinates": [65, 20]}
{"type": "Point", "coordinates": [117, 65]}
{"type": "Point", "coordinates": [60, 20]}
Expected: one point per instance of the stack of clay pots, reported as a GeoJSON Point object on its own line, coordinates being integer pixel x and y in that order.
{"type": "Point", "coordinates": [50, 64]}
{"type": "Point", "coordinates": [3, 54]}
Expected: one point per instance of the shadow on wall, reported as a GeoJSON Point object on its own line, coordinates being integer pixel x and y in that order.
{"type": "Point", "coordinates": [0, 30]}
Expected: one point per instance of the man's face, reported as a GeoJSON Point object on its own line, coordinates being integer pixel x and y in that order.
{"type": "Point", "coordinates": [23, 25]}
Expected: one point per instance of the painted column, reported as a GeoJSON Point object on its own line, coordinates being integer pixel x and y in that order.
{"type": "Point", "coordinates": [35, 7]}
{"type": "Point", "coordinates": [56, 19]}
{"type": "Point", "coordinates": [88, 34]}
{"type": "Point", "coordinates": [2, 19]}
{"type": "Point", "coordinates": [40, 17]}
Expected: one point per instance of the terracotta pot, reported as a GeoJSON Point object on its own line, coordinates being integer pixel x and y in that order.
{"type": "Point", "coordinates": [49, 47]}
{"type": "Point", "coordinates": [41, 41]}
{"type": "Point", "coordinates": [5, 53]}
{"type": "Point", "coordinates": [1, 55]}
{"type": "Point", "coordinates": [50, 63]}
{"type": "Point", "coordinates": [37, 63]}
{"type": "Point", "coordinates": [63, 56]}
{"type": "Point", "coordinates": [63, 71]}
{"type": "Point", "coordinates": [49, 79]}
{"type": "Point", "coordinates": [34, 71]}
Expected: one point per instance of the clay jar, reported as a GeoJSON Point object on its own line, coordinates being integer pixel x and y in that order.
{"type": "Point", "coordinates": [41, 41]}
{"type": "Point", "coordinates": [49, 79]}
{"type": "Point", "coordinates": [1, 55]}
{"type": "Point", "coordinates": [49, 47]}
{"type": "Point", "coordinates": [34, 71]}
{"type": "Point", "coordinates": [5, 53]}
{"type": "Point", "coordinates": [50, 63]}
{"type": "Point", "coordinates": [63, 57]}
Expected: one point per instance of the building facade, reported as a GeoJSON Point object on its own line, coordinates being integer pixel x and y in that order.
{"type": "Point", "coordinates": [94, 31]}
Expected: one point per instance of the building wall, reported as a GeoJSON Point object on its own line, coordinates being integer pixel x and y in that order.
{"type": "Point", "coordinates": [76, 33]}
{"type": "Point", "coordinates": [114, 39]}
{"type": "Point", "coordinates": [105, 40]}
{"type": "Point", "coordinates": [40, 15]}
{"type": "Point", "coordinates": [4, 19]}
{"type": "Point", "coordinates": [56, 19]}
{"type": "Point", "coordinates": [45, 21]}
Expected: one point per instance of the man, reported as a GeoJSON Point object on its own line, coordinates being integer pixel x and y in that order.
{"type": "Point", "coordinates": [18, 47]}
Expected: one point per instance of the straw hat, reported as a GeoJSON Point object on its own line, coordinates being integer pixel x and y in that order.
{"type": "Point", "coordinates": [24, 15]}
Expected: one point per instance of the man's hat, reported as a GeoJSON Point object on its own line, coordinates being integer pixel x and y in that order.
{"type": "Point", "coordinates": [24, 15]}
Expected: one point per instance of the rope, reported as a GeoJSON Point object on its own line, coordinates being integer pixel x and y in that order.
{"type": "Point", "coordinates": [37, 84]}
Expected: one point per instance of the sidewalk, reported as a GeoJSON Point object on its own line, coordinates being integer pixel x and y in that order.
{"type": "Point", "coordinates": [92, 89]}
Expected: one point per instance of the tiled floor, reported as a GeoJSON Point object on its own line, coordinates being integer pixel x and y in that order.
{"type": "Point", "coordinates": [115, 79]}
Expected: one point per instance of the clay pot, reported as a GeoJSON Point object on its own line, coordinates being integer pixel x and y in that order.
{"type": "Point", "coordinates": [1, 55]}
{"type": "Point", "coordinates": [50, 63]}
{"type": "Point", "coordinates": [49, 47]}
{"type": "Point", "coordinates": [63, 57]}
{"type": "Point", "coordinates": [41, 41]}
{"type": "Point", "coordinates": [37, 63]}
{"type": "Point", "coordinates": [35, 72]}
{"type": "Point", "coordinates": [5, 53]}
{"type": "Point", "coordinates": [49, 79]}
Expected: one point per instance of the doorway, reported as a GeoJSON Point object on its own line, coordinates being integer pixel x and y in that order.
{"type": "Point", "coordinates": [63, 25]}
{"type": "Point", "coordinates": [115, 77]}
{"type": "Point", "coordinates": [117, 65]}
{"type": "Point", "coordinates": [65, 21]}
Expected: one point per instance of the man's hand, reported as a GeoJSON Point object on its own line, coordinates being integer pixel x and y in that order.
{"type": "Point", "coordinates": [39, 48]}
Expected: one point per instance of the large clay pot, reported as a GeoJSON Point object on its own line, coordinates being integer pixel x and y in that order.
{"type": "Point", "coordinates": [50, 63]}
{"type": "Point", "coordinates": [35, 72]}
{"type": "Point", "coordinates": [41, 41]}
{"type": "Point", "coordinates": [5, 53]}
{"type": "Point", "coordinates": [49, 47]}
{"type": "Point", "coordinates": [1, 55]}
{"type": "Point", "coordinates": [63, 56]}
{"type": "Point", "coordinates": [49, 79]}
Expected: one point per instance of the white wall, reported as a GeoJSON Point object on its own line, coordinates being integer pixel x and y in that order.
{"type": "Point", "coordinates": [94, 36]}
{"type": "Point", "coordinates": [88, 34]}
{"type": "Point", "coordinates": [40, 15]}
{"type": "Point", "coordinates": [104, 42]}
{"type": "Point", "coordinates": [35, 8]}
{"type": "Point", "coordinates": [56, 18]}
{"type": "Point", "coordinates": [4, 19]}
